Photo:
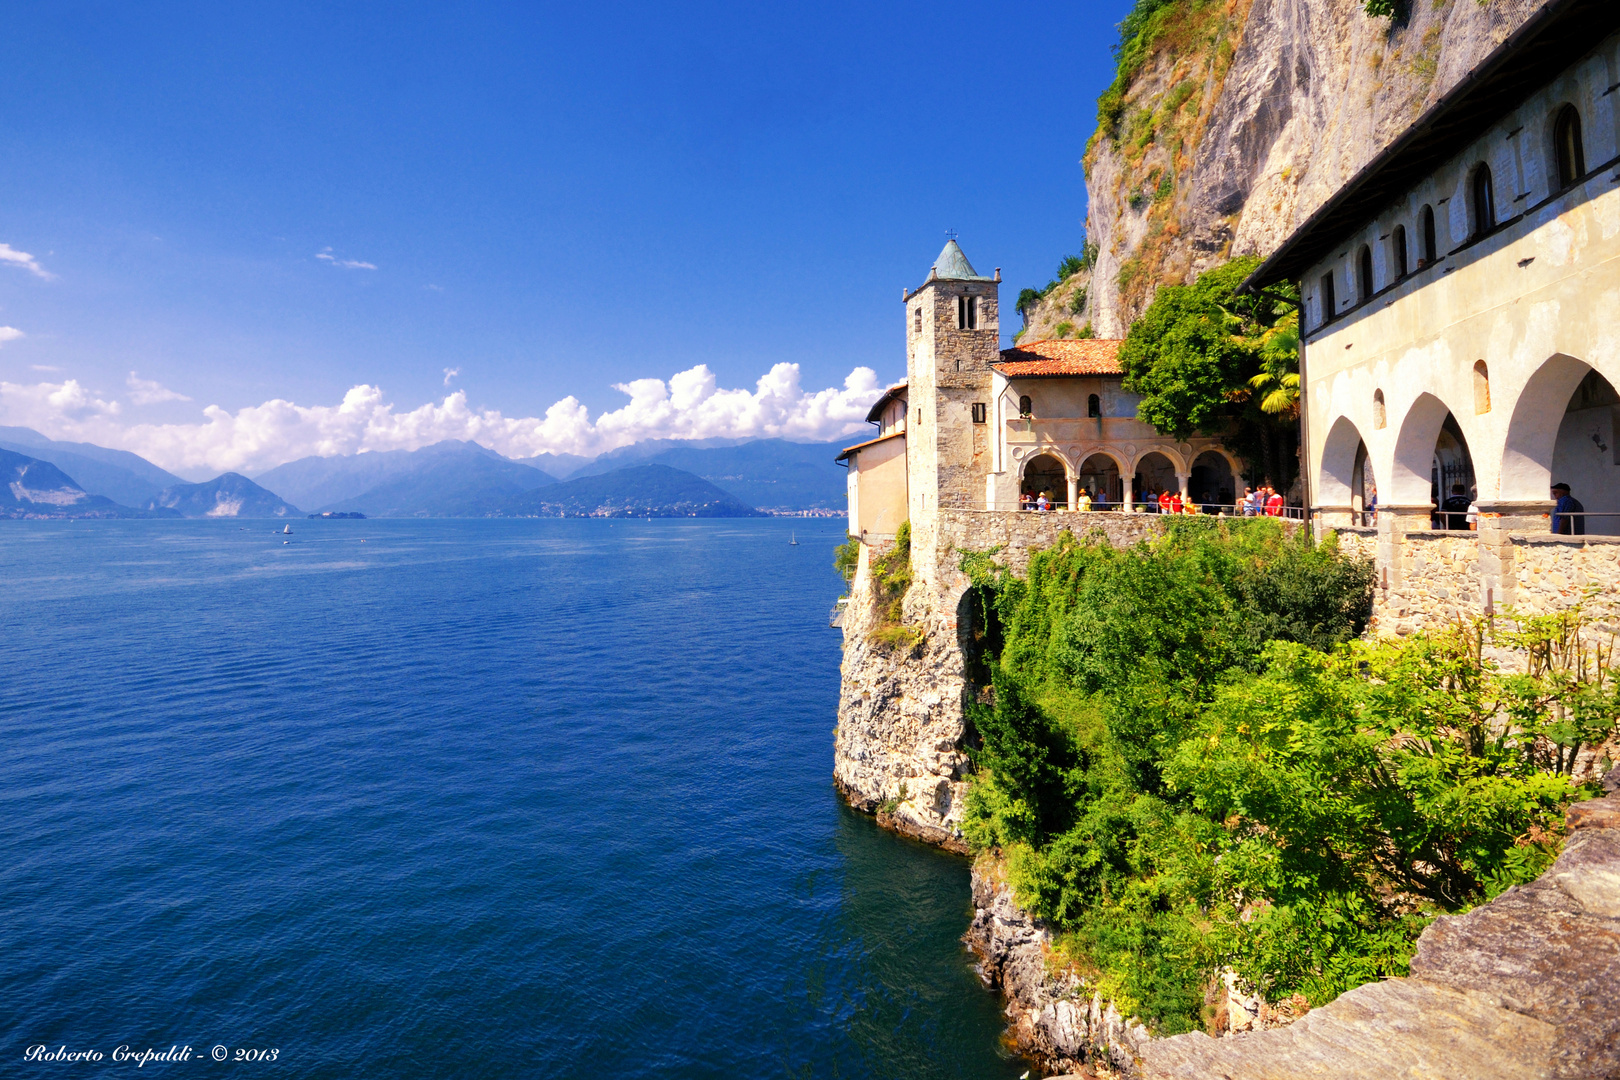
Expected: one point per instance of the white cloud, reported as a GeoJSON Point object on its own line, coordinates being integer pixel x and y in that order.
{"type": "Point", "coordinates": [62, 406]}
{"type": "Point", "coordinates": [10, 333]}
{"type": "Point", "coordinates": [150, 392]}
{"type": "Point", "coordinates": [450, 373]}
{"type": "Point", "coordinates": [24, 260]}
{"type": "Point", "coordinates": [347, 264]}
{"type": "Point", "coordinates": [690, 405]}
{"type": "Point", "coordinates": [44, 367]}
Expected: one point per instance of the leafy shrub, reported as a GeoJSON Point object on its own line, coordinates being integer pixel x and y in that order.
{"type": "Point", "coordinates": [847, 559]}
{"type": "Point", "coordinates": [891, 578]}
{"type": "Point", "coordinates": [1191, 763]}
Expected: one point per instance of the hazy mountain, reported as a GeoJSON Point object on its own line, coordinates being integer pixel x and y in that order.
{"type": "Point", "coordinates": [773, 473]}
{"type": "Point", "coordinates": [408, 482]}
{"type": "Point", "coordinates": [32, 487]}
{"type": "Point", "coordinates": [558, 466]}
{"type": "Point", "coordinates": [120, 475]}
{"type": "Point", "coordinates": [447, 480]}
{"type": "Point", "coordinates": [229, 495]}
{"type": "Point", "coordinates": [639, 491]}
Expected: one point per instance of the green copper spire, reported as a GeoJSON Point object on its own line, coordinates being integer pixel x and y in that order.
{"type": "Point", "coordinates": [952, 265]}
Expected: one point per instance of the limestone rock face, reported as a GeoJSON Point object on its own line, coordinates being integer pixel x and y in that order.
{"type": "Point", "coordinates": [1053, 1016]}
{"type": "Point", "coordinates": [1224, 147]}
{"type": "Point", "coordinates": [897, 751]}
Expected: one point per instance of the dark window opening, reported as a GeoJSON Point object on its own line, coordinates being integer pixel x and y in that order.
{"type": "Point", "coordinates": [1571, 154]}
{"type": "Point", "coordinates": [967, 312]}
{"type": "Point", "coordinates": [1431, 249]}
{"type": "Point", "coordinates": [1025, 406]}
{"type": "Point", "coordinates": [1093, 405]}
{"type": "Point", "coordinates": [916, 321]}
{"type": "Point", "coordinates": [1364, 275]}
{"type": "Point", "coordinates": [1484, 201]}
{"type": "Point", "coordinates": [1330, 306]}
{"type": "Point", "coordinates": [1400, 252]}
{"type": "Point", "coordinates": [980, 412]}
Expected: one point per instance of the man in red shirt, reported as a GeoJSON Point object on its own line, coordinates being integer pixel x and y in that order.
{"type": "Point", "coordinates": [1175, 503]}
{"type": "Point", "coordinates": [1164, 502]}
{"type": "Point", "coordinates": [1274, 502]}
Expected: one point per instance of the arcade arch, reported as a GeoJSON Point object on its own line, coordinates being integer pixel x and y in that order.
{"type": "Point", "coordinates": [1212, 481]}
{"type": "Point", "coordinates": [1045, 474]}
{"type": "Point", "coordinates": [1155, 472]}
{"type": "Point", "coordinates": [1100, 474]}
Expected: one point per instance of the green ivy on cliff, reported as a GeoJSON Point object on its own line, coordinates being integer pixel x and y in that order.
{"type": "Point", "coordinates": [1191, 763]}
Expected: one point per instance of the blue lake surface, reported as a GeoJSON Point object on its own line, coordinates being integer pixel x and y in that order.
{"type": "Point", "coordinates": [471, 798]}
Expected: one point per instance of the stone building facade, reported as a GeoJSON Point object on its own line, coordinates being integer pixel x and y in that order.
{"type": "Point", "coordinates": [1462, 314]}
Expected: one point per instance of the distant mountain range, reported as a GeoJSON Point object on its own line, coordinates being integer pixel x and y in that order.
{"type": "Point", "coordinates": [639, 491]}
{"type": "Point", "coordinates": [660, 478]}
{"type": "Point", "coordinates": [772, 474]}
{"type": "Point", "coordinates": [33, 488]}
{"type": "Point", "coordinates": [119, 475]}
{"type": "Point", "coordinates": [227, 495]}
{"type": "Point", "coordinates": [443, 480]}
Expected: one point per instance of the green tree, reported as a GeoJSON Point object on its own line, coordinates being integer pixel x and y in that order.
{"type": "Point", "coordinates": [1207, 360]}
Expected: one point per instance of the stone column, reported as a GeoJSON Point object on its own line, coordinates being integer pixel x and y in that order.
{"type": "Point", "coordinates": [1182, 480]}
{"type": "Point", "coordinates": [1074, 493]}
{"type": "Point", "coordinates": [1129, 494]}
{"type": "Point", "coordinates": [1391, 611]}
{"type": "Point", "coordinates": [1498, 584]}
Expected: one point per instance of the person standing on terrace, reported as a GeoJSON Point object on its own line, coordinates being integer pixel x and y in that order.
{"type": "Point", "coordinates": [1567, 519]}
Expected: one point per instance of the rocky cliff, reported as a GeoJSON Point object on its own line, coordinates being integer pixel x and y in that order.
{"type": "Point", "coordinates": [1232, 122]}
{"type": "Point", "coordinates": [897, 749]}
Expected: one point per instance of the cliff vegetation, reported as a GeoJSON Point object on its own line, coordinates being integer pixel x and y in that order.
{"type": "Point", "coordinates": [1191, 764]}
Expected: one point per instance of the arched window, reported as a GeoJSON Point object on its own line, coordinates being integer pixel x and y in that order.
{"type": "Point", "coordinates": [1482, 387]}
{"type": "Point", "coordinates": [1431, 249]}
{"type": "Point", "coordinates": [1484, 201]}
{"type": "Point", "coordinates": [1379, 417]}
{"type": "Point", "coordinates": [1364, 273]}
{"type": "Point", "coordinates": [1093, 405]}
{"type": "Point", "coordinates": [1026, 407]}
{"type": "Point", "coordinates": [1330, 306]}
{"type": "Point", "coordinates": [1399, 247]}
{"type": "Point", "coordinates": [1567, 141]}
{"type": "Point", "coordinates": [916, 320]}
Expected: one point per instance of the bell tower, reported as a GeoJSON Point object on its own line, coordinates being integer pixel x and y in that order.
{"type": "Point", "coordinates": [953, 333]}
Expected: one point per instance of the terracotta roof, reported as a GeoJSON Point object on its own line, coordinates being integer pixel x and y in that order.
{"type": "Point", "coordinates": [853, 450]}
{"type": "Point", "coordinates": [876, 413]}
{"type": "Point", "coordinates": [1091, 356]}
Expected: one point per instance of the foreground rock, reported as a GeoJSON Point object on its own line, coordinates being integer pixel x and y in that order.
{"type": "Point", "coordinates": [1527, 986]}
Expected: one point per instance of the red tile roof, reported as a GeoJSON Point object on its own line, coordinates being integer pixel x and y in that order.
{"type": "Point", "coordinates": [1091, 356]}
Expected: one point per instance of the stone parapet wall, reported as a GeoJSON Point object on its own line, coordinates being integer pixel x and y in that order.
{"type": "Point", "coordinates": [1551, 573]}
{"type": "Point", "coordinates": [1430, 578]}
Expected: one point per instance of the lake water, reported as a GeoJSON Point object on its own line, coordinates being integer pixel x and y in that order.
{"type": "Point", "coordinates": [471, 798]}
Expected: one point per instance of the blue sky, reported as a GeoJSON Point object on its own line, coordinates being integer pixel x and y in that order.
{"type": "Point", "coordinates": [551, 199]}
